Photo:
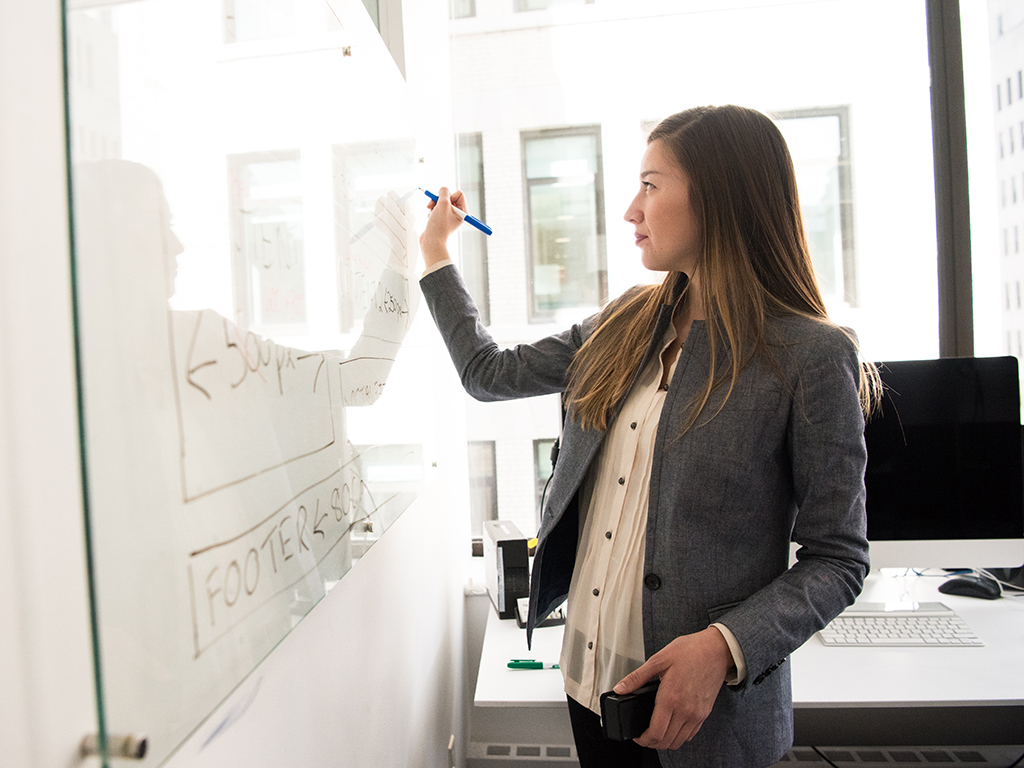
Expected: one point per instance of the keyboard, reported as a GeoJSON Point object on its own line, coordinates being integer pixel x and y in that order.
{"type": "Point", "coordinates": [899, 625]}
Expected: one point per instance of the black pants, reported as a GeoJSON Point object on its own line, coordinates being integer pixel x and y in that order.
{"type": "Point", "coordinates": [595, 751]}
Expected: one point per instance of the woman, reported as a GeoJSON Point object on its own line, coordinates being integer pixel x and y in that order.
{"type": "Point", "coordinates": [711, 420]}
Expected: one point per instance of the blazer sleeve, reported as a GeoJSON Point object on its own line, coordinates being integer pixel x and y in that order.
{"type": "Point", "coordinates": [488, 372]}
{"type": "Point", "coordinates": [827, 454]}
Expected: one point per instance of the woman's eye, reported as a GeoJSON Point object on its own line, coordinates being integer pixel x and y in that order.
{"type": "Point", "coordinates": [647, 185]}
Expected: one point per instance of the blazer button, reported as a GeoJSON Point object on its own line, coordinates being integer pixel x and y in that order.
{"type": "Point", "coordinates": [622, 481]}
{"type": "Point", "coordinates": [651, 581]}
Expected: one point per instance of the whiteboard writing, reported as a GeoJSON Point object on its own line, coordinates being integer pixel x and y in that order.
{"type": "Point", "coordinates": [245, 404]}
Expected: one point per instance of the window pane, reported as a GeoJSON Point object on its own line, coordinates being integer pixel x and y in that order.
{"type": "Point", "coordinates": [567, 268]}
{"type": "Point", "coordinates": [483, 485]}
{"type": "Point", "coordinates": [473, 242]}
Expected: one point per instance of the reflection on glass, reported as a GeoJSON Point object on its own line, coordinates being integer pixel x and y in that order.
{"type": "Point", "coordinates": [258, 19]}
{"type": "Point", "coordinates": [266, 238]}
{"type": "Point", "coordinates": [566, 218]}
{"type": "Point", "coordinates": [241, 453]}
{"type": "Point", "coordinates": [363, 172]}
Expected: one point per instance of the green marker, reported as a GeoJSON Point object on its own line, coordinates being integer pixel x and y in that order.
{"type": "Point", "coordinates": [530, 664]}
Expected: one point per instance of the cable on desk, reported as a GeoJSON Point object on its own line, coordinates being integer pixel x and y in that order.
{"type": "Point", "coordinates": [1016, 762]}
{"type": "Point", "coordinates": [825, 758]}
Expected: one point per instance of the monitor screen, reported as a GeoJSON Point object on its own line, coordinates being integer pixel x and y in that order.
{"type": "Point", "coordinates": [944, 472]}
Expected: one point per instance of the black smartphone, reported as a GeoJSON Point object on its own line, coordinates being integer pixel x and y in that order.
{"type": "Point", "coordinates": [627, 715]}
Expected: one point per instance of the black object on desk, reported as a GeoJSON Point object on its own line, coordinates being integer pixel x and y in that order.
{"type": "Point", "coordinates": [971, 586]}
{"type": "Point", "coordinates": [506, 566]}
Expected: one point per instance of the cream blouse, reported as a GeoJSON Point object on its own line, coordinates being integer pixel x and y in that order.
{"type": "Point", "coordinates": [603, 639]}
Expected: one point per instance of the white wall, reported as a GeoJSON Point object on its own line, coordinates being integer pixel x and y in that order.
{"type": "Point", "coordinates": [46, 690]}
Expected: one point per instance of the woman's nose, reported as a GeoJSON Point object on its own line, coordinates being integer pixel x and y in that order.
{"type": "Point", "coordinates": [633, 214]}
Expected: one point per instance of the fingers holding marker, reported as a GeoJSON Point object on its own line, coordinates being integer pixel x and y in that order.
{"type": "Point", "coordinates": [458, 206]}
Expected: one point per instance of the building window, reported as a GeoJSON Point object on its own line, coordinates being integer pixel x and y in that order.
{"type": "Point", "coordinates": [483, 484]}
{"type": "Point", "coordinates": [542, 469]}
{"type": "Point", "coordinates": [268, 263]}
{"type": "Point", "coordinates": [819, 141]}
{"type": "Point", "coordinates": [463, 9]}
{"type": "Point", "coordinates": [473, 242]}
{"type": "Point", "coordinates": [257, 19]}
{"type": "Point", "coordinates": [565, 220]}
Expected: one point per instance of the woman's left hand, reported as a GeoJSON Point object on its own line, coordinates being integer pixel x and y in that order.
{"type": "Point", "coordinates": [692, 669]}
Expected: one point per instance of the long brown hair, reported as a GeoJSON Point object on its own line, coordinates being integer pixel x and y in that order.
{"type": "Point", "coordinates": [754, 263]}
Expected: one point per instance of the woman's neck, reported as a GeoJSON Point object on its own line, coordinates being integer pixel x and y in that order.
{"type": "Point", "coordinates": [690, 308]}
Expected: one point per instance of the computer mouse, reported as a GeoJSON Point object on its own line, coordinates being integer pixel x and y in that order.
{"type": "Point", "coordinates": [971, 586]}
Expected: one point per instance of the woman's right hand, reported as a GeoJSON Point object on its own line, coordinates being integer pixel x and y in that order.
{"type": "Point", "coordinates": [440, 224]}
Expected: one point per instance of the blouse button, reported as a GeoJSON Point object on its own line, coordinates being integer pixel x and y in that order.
{"type": "Point", "coordinates": [597, 592]}
{"type": "Point", "coordinates": [651, 581]}
{"type": "Point", "coordinates": [622, 481]}
{"type": "Point", "coordinates": [590, 645]}
{"type": "Point", "coordinates": [607, 534]}
{"type": "Point", "coordinates": [633, 425]}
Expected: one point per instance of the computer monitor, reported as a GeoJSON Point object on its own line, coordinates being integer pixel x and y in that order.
{"type": "Point", "coordinates": [944, 474]}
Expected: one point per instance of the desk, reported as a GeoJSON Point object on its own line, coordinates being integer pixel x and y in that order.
{"type": "Point", "coordinates": [842, 696]}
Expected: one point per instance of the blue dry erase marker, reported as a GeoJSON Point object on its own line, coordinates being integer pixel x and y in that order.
{"type": "Point", "coordinates": [471, 220]}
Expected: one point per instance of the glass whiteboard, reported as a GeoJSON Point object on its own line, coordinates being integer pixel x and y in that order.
{"type": "Point", "coordinates": [243, 175]}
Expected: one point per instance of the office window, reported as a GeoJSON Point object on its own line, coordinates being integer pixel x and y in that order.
{"type": "Point", "coordinates": [268, 263]}
{"type": "Point", "coordinates": [565, 220]}
{"type": "Point", "coordinates": [473, 242]}
{"type": "Point", "coordinates": [483, 484]}
{"type": "Point", "coordinates": [999, 97]}
{"type": "Point", "coordinates": [542, 469]}
{"type": "Point", "coordinates": [819, 142]}
{"type": "Point", "coordinates": [258, 19]}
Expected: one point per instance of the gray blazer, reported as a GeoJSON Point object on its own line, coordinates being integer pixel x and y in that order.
{"type": "Point", "coordinates": [783, 460]}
